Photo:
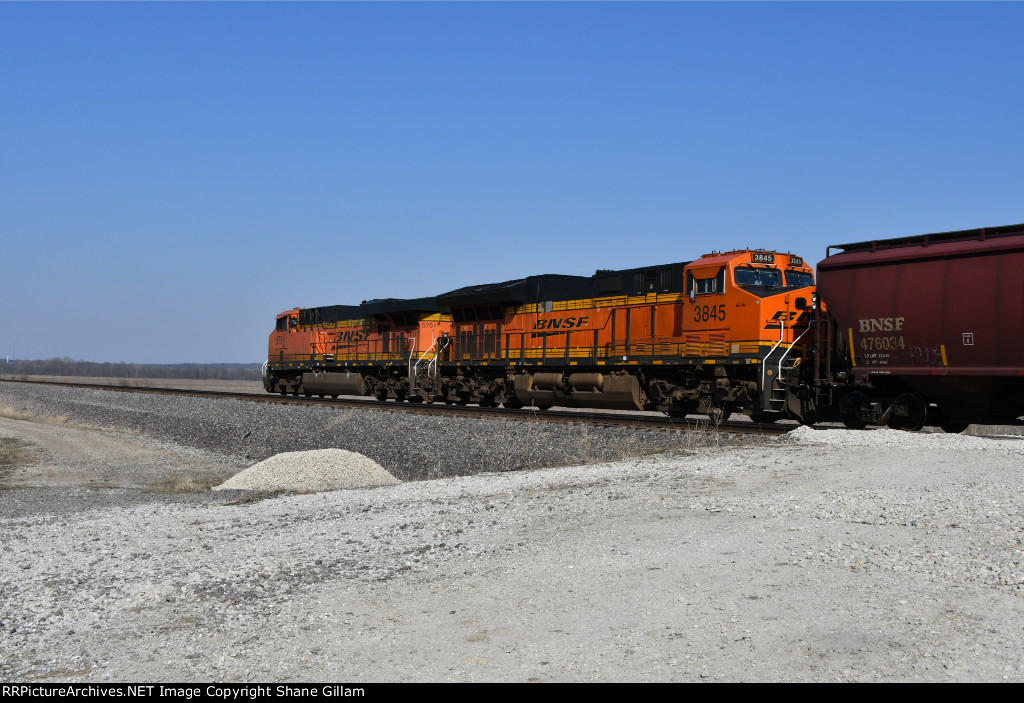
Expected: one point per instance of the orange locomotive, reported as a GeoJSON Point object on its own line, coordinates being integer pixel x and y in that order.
{"type": "Point", "coordinates": [378, 348]}
{"type": "Point", "coordinates": [709, 336]}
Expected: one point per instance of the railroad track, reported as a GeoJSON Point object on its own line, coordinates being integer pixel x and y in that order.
{"type": "Point", "coordinates": [563, 416]}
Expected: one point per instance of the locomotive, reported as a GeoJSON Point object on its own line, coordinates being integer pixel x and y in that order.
{"type": "Point", "coordinates": [904, 332]}
{"type": "Point", "coordinates": [715, 336]}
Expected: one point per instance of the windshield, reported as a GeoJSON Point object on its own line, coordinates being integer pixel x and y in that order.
{"type": "Point", "coordinates": [758, 277]}
{"type": "Point", "coordinates": [801, 279]}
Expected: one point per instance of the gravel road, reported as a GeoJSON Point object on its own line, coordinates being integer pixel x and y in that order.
{"type": "Point", "coordinates": [824, 555]}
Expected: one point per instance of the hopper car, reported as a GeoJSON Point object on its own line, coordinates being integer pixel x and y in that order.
{"type": "Point", "coordinates": [916, 331]}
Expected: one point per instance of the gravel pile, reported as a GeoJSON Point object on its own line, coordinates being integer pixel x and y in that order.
{"type": "Point", "coordinates": [410, 446]}
{"type": "Point", "coordinates": [311, 471]}
{"type": "Point", "coordinates": [883, 437]}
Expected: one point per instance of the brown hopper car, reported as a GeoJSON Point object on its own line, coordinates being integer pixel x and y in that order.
{"type": "Point", "coordinates": [923, 330]}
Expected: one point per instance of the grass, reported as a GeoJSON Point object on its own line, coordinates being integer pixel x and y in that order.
{"type": "Point", "coordinates": [26, 416]}
{"type": "Point", "coordinates": [189, 483]}
{"type": "Point", "coordinates": [13, 453]}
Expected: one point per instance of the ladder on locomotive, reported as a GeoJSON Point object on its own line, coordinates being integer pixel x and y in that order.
{"type": "Point", "coordinates": [776, 370]}
{"type": "Point", "coordinates": [423, 373]}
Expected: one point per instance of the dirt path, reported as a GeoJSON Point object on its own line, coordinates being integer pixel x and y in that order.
{"type": "Point", "coordinates": [61, 454]}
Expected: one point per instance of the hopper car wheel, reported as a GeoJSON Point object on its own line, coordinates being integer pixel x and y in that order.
{"type": "Point", "coordinates": [382, 397]}
{"type": "Point", "coordinates": [513, 404]}
{"type": "Point", "coordinates": [415, 399]}
{"type": "Point", "coordinates": [335, 395]}
{"type": "Point", "coordinates": [916, 413]}
{"type": "Point", "coordinates": [449, 401]}
{"type": "Point", "coordinates": [543, 408]}
{"type": "Point", "coordinates": [765, 418]}
{"type": "Point", "coordinates": [954, 427]}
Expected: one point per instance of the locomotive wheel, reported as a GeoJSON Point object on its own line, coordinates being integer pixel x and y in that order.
{"type": "Point", "coordinates": [719, 414]}
{"type": "Point", "coordinates": [954, 427]}
{"type": "Point", "coordinates": [849, 410]}
{"type": "Point", "coordinates": [766, 418]}
{"type": "Point", "coordinates": [683, 408]}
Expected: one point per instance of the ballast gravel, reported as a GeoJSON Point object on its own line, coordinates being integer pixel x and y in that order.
{"type": "Point", "coordinates": [409, 446]}
{"type": "Point", "coordinates": [311, 471]}
{"type": "Point", "coordinates": [823, 555]}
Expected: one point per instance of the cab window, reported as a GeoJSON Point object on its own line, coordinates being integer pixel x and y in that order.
{"type": "Point", "coordinates": [800, 279]}
{"type": "Point", "coordinates": [705, 286]}
{"type": "Point", "coordinates": [749, 276]}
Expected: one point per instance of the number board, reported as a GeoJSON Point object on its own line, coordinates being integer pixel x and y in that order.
{"type": "Point", "coordinates": [796, 261]}
{"type": "Point", "coordinates": [759, 257]}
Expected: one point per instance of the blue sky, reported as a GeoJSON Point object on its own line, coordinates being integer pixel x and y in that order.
{"type": "Point", "coordinates": [174, 175]}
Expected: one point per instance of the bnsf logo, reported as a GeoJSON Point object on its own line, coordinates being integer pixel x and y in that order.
{"type": "Point", "coordinates": [881, 324]}
{"type": "Point", "coordinates": [352, 336]}
{"type": "Point", "coordinates": [561, 323]}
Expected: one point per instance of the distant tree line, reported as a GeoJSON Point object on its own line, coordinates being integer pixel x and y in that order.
{"type": "Point", "coordinates": [70, 367]}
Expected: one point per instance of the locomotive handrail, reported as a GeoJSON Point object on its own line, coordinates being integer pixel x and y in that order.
{"type": "Point", "coordinates": [793, 345]}
{"type": "Point", "coordinates": [431, 364]}
{"type": "Point", "coordinates": [764, 367]}
{"type": "Point", "coordinates": [412, 366]}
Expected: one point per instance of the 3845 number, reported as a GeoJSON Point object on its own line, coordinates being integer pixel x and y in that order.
{"type": "Point", "coordinates": [703, 313]}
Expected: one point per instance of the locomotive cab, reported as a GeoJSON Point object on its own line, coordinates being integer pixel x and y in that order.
{"type": "Point", "coordinates": [745, 312]}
